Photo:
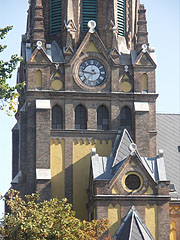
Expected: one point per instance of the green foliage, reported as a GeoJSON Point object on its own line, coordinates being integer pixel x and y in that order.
{"type": "Point", "coordinates": [8, 94]}
{"type": "Point", "coordinates": [54, 219]}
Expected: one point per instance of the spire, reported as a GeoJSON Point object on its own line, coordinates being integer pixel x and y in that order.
{"type": "Point", "coordinates": [38, 23]}
{"type": "Point", "coordinates": [142, 34]}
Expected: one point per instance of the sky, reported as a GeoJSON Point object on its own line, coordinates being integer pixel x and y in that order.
{"type": "Point", "coordinates": [163, 26]}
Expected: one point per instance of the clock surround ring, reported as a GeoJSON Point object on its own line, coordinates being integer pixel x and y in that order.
{"type": "Point", "coordinates": [96, 57]}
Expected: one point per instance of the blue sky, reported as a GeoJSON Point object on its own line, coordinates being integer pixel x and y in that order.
{"type": "Point", "coordinates": [163, 26]}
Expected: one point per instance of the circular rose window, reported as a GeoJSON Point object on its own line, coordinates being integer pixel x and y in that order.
{"type": "Point", "coordinates": [133, 182]}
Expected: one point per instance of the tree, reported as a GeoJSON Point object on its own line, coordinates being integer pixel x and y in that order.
{"type": "Point", "coordinates": [54, 219]}
{"type": "Point", "coordinates": [8, 94]}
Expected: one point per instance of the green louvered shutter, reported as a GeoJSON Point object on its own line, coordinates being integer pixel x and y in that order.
{"type": "Point", "coordinates": [89, 12]}
{"type": "Point", "coordinates": [121, 17]}
{"type": "Point", "coordinates": [55, 16]}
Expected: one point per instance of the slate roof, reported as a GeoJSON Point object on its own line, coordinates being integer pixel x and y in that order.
{"type": "Point", "coordinates": [106, 168]}
{"type": "Point", "coordinates": [133, 228]}
{"type": "Point", "coordinates": [168, 139]}
{"type": "Point", "coordinates": [53, 52]}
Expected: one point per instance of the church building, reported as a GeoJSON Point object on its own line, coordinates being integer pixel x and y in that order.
{"type": "Point", "coordinates": [86, 121]}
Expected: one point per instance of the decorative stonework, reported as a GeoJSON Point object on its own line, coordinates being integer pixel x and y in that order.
{"type": "Point", "coordinates": [174, 210]}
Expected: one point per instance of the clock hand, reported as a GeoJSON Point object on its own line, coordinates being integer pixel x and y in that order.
{"type": "Point", "coordinates": [87, 72]}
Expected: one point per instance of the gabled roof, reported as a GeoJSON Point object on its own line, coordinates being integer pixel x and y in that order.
{"type": "Point", "coordinates": [150, 59]}
{"type": "Point", "coordinates": [123, 149]}
{"type": "Point", "coordinates": [106, 168]}
{"type": "Point", "coordinates": [133, 228]}
{"type": "Point", "coordinates": [53, 52]}
{"type": "Point", "coordinates": [43, 53]}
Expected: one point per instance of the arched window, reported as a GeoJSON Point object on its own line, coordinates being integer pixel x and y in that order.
{"type": "Point", "coordinates": [38, 79]}
{"type": "Point", "coordinates": [102, 118]}
{"type": "Point", "coordinates": [121, 17]}
{"type": "Point", "coordinates": [80, 117]}
{"type": "Point", "coordinates": [57, 118]}
{"type": "Point", "coordinates": [89, 12]}
{"type": "Point", "coordinates": [144, 82]}
{"type": "Point", "coordinates": [55, 16]}
{"type": "Point", "coordinates": [126, 119]}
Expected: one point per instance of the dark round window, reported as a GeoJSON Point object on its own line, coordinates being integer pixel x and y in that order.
{"type": "Point", "coordinates": [133, 182]}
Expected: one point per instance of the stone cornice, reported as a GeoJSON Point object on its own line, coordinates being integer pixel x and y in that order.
{"type": "Point", "coordinates": [165, 198]}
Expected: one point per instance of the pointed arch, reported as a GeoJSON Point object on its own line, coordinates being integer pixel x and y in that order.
{"type": "Point", "coordinates": [126, 119]}
{"type": "Point", "coordinates": [80, 117]}
{"type": "Point", "coordinates": [144, 82]}
{"type": "Point", "coordinates": [57, 117]}
{"type": "Point", "coordinates": [89, 12]}
{"type": "Point", "coordinates": [55, 16]}
{"type": "Point", "coordinates": [102, 118]}
{"type": "Point", "coordinates": [121, 17]}
{"type": "Point", "coordinates": [38, 79]}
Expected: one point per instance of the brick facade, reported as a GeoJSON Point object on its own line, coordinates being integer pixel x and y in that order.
{"type": "Point", "coordinates": [35, 125]}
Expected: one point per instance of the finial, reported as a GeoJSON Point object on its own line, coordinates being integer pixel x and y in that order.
{"type": "Point", "coordinates": [144, 48]}
{"type": "Point", "coordinates": [56, 66]}
{"type": "Point", "coordinates": [39, 45]}
{"type": "Point", "coordinates": [126, 68]}
{"type": "Point", "coordinates": [112, 27]}
{"type": "Point", "coordinates": [70, 25]}
{"type": "Point", "coordinates": [92, 26]}
{"type": "Point", "coordinates": [161, 153]}
{"type": "Point", "coordinates": [132, 148]}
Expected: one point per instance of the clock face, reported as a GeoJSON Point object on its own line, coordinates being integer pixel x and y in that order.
{"type": "Point", "coordinates": [92, 72]}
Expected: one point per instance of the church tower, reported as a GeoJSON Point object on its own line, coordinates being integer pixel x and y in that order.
{"type": "Point", "coordinates": [90, 81]}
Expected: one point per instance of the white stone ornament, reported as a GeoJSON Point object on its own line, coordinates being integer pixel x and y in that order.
{"type": "Point", "coordinates": [93, 151]}
{"type": "Point", "coordinates": [112, 27]}
{"type": "Point", "coordinates": [28, 45]}
{"type": "Point", "coordinates": [126, 68]}
{"type": "Point", "coordinates": [144, 48]}
{"type": "Point", "coordinates": [43, 104]}
{"type": "Point", "coordinates": [43, 174]}
{"type": "Point", "coordinates": [39, 45]}
{"type": "Point", "coordinates": [133, 148]}
{"type": "Point", "coordinates": [57, 66]}
{"type": "Point", "coordinates": [161, 153]}
{"type": "Point", "coordinates": [70, 25]}
{"type": "Point", "coordinates": [141, 106]}
{"type": "Point", "coordinates": [91, 26]}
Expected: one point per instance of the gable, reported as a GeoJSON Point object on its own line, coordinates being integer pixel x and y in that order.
{"type": "Point", "coordinates": [92, 44]}
{"type": "Point", "coordinates": [144, 60]}
{"type": "Point", "coordinates": [39, 57]}
{"type": "Point", "coordinates": [132, 178]}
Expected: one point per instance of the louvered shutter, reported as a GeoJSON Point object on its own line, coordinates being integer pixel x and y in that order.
{"type": "Point", "coordinates": [89, 12]}
{"type": "Point", "coordinates": [55, 15]}
{"type": "Point", "coordinates": [121, 17]}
